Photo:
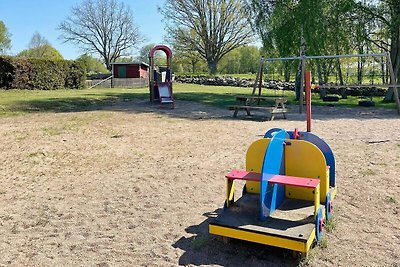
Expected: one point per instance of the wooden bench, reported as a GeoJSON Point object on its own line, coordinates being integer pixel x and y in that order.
{"type": "Point", "coordinates": [271, 110]}
{"type": "Point", "coordinates": [274, 179]}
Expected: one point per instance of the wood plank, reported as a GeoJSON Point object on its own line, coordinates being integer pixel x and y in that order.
{"type": "Point", "coordinates": [294, 181]}
{"type": "Point", "coordinates": [257, 107]}
{"type": "Point", "coordinates": [294, 219]}
{"type": "Point", "coordinates": [277, 179]}
{"type": "Point", "coordinates": [243, 175]}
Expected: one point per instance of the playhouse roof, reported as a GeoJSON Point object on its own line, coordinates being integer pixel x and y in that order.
{"type": "Point", "coordinates": [130, 63]}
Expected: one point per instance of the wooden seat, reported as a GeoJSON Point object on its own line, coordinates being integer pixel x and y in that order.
{"type": "Point", "coordinates": [309, 183]}
{"type": "Point", "coordinates": [271, 110]}
{"type": "Point", "coordinates": [276, 179]}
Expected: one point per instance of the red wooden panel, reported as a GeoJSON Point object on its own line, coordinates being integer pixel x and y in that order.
{"type": "Point", "coordinates": [243, 175]}
{"type": "Point", "coordinates": [132, 71]}
{"type": "Point", "coordinates": [295, 181]}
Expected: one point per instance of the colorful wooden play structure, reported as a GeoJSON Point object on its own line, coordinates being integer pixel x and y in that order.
{"type": "Point", "coordinates": [160, 87]}
{"type": "Point", "coordinates": [290, 186]}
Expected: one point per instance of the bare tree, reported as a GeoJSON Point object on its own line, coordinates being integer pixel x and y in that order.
{"type": "Point", "coordinates": [212, 28]}
{"type": "Point", "coordinates": [105, 27]}
{"type": "Point", "coordinates": [37, 40]}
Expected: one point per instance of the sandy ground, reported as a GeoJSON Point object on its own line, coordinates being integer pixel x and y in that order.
{"type": "Point", "coordinates": [133, 185]}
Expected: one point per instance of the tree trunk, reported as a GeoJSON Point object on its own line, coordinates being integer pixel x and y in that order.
{"type": "Point", "coordinates": [193, 65]}
{"type": "Point", "coordinates": [343, 92]}
{"type": "Point", "coordinates": [360, 67]}
{"type": "Point", "coordinates": [287, 72]}
{"type": "Point", "coordinates": [107, 63]}
{"type": "Point", "coordinates": [212, 66]}
{"type": "Point", "coordinates": [322, 91]}
{"type": "Point", "coordinates": [298, 82]}
{"type": "Point", "coordinates": [319, 73]}
{"type": "Point", "coordinates": [395, 58]}
{"type": "Point", "coordinates": [339, 71]}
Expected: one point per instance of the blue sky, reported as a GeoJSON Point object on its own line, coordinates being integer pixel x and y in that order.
{"type": "Point", "coordinates": [24, 17]}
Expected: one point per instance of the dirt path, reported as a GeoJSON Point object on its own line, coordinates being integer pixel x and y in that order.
{"type": "Point", "coordinates": [133, 185]}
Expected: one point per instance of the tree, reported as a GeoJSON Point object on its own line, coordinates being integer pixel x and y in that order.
{"type": "Point", "coordinates": [37, 40]}
{"type": "Point", "coordinates": [5, 38]}
{"type": "Point", "coordinates": [384, 15]}
{"type": "Point", "coordinates": [44, 51]}
{"type": "Point", "coordinates": [144, 53]}
{"type": "Point", "coordinates": [39, 47]}
{"type": "Point", "coordinates": [245, 59]}
{"type": "Point", "coordinates": [104, 27]}
{"type": "Point", "coordinates": [189, 61]}
{"type": "Point", "coordinates": [212, 28]}
{"type": "Point", "coordinates": [92, 64]}
{"type": "Point", "coordinates": [321, 26]}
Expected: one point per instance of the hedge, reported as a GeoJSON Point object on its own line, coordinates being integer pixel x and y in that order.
{"type": "Point", "coordinates": [40, 74]}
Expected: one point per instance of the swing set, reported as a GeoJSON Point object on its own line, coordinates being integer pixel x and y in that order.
{"type": "Point", "coordinates": [343, 87]}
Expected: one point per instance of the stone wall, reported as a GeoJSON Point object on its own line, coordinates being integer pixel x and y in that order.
{"type": "Point", "coordinates": [271, 84]}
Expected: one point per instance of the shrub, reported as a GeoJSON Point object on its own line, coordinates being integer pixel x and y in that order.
{"type": "Point", "coordinates": [40, 74]}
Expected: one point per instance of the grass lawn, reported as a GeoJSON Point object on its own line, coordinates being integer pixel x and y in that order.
{"type": "Point", "coordinates": [14, 102]}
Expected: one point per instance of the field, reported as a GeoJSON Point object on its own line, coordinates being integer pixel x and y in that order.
{"type": "Point", "coordinates": [103, 178]}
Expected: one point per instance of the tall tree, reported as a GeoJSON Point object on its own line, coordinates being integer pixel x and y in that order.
{"type": "Point", "coordinates": [323, 25]}
{"type": "Point", "coordinates": [39, 47]}
{"type": "Point", "coordinates": [212, 28]}
{"type": "Point", "coordinates": [104, 27]}
{"type": "Point", "coordinates": [92, 64]}
{"type": "Point", "coordinates": [37, 40]}
{"type": "Point", "coordinates": [144, 53]}
{"type": "Point", "coordinates": [5, 38]}
{"type": "Point", "coordinates": [44, 51]}
{"type": "Point", "coordinates": [384, 17]}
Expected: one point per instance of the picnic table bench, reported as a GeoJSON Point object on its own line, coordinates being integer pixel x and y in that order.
{"type": "Point", "coordinates": [248, 103]}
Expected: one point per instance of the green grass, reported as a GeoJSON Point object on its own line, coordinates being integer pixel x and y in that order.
{"type": "Point", "coordinates": [331, 224]}
{"type": "Point", "coordinates": [391, 200]}
{"type": "Point", "coordinates": [14, 102]}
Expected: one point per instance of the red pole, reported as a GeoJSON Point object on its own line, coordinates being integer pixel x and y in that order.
{"type": "Point", "coordinates": [307, 81]}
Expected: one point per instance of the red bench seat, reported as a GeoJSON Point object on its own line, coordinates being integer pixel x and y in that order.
{"type": "Point", "coordinates": [277, 179]}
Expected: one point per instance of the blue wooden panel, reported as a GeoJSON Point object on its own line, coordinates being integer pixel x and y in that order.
{"type": "Point", "coordinates": [271, 131]}
{"type": "Point", "coordinates": [272, 195]}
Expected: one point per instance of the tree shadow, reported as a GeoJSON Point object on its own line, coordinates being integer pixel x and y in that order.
{"type": "Point", "coordinates": [205, 249]}
{"type": "Point", "coordinates": [186, 108]}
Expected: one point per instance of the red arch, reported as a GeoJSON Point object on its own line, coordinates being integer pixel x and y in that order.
{"type": "Point", "coordinates": [164, 48]}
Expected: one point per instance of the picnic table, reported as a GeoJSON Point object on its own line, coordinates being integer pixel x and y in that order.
{"type": "Point", "coordinates": [276, 105]}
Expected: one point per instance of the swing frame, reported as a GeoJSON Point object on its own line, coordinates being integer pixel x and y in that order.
{"type": "Point", "coordinates": [304, 59]}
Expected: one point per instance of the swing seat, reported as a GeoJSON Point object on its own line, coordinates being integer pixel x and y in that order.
{"type": "Point", "coordinates": [330, 98]}
{"type": "Point", "coordinates": [366, 103]}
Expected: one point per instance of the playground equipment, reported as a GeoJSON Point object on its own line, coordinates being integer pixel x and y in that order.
{"type": "Point", "coordinates": [290, 186]}
{"type": "Point", "coordinates": [384, 59]}
{"type": "Point", "coordinates": [160, 85]}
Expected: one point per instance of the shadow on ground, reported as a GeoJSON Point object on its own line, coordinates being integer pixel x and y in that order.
{"type": "Point", "coordinates": [205, 249]}
{"type": "Point", "coordinates": [138, 103]}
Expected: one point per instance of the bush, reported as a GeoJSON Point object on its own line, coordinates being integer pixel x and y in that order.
{"type": "Point", "coordinates": [40, 74]}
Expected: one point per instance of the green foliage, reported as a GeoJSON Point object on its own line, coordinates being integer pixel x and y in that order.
{"type": "Point", "coordinates": [92, 65]}
{"type": "Point", "coordinates": [42, 74]}
{"type": "Point", "coordinates": [45, 51]}
{"type": "Point", "coordinates": [245, 59]}
{"type": "Point", "coordinates": [188, 62]}
{"type": "Point", "coordinates": [144, 53]}
{"type": "Point", "coordinates": [125, 59]}
{"type": "Point", "coordinates": [5, 38]}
